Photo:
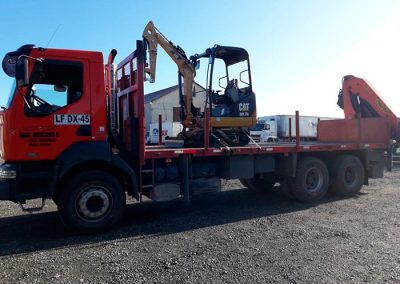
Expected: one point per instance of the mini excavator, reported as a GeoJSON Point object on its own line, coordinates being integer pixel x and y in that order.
{"type": "Point", "coordinates": [231, 111]}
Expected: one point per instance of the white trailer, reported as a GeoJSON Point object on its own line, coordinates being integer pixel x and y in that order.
{"type": "Point", "coordinates": [276, 128]}
{"type": "Point", "coordinates": [169, 129]}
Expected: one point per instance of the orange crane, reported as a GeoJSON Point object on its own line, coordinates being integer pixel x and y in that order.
{"type": "Point", "coordinates": [358, 99]}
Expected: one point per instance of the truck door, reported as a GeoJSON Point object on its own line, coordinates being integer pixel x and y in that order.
{"type": "Point", "coordinates": [56, 109]}
{"type": "Point", "coordinates": [272, 131]}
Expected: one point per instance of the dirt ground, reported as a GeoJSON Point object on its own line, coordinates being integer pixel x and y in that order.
{"type": "Point", "coordinates": [236, 236]}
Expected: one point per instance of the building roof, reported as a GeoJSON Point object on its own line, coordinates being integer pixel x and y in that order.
{"type": "Point", "coordinates": [159, 94]}
{"type": "Point", "coordinates": [151, 97]}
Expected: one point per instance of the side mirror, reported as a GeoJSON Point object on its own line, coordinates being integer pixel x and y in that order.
{"type": "Point", "coordinates": [197, 65]}
{"type": "Point", "coordinates": [246, 79]}
{"type": "Point", "coordinates": [219, 82]}
{"type": "Point", "coordinates": [21, 72]}
{"type": "Point", "coordinates": [60, 88]}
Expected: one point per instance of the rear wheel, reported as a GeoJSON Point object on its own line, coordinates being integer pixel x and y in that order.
{"type": "Point", "coordinates": [286, 187]}
{"type": "Point", "coordinates": [312, 180]}
{"type": "Point", "coordinates": [91, 201]}
{"type": "Point", "coordinates": [347, 175]}
{"type": "Point", "coordinates": [243, 181]}
{"type": "Point", "coordinates": [264, 183]}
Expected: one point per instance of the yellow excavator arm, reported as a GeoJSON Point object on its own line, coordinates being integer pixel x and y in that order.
{"type": "Point", "coordinates": [154, 38]}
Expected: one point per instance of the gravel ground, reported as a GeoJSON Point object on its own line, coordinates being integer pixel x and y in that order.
{"type": "Point", "coordinates": [237, 236]}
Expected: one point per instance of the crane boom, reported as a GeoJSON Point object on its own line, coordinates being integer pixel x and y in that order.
{"type": "Point", "coordinates": [186, 68]}
{"type": "Point", "coordinates": [358, 98]}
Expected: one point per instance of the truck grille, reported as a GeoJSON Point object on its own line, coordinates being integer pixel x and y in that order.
{"type": "Point", "coordinates": [256, 137]}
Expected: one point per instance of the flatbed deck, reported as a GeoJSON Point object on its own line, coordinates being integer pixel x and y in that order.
{"type": "Point", "coordinates": [161, 151]}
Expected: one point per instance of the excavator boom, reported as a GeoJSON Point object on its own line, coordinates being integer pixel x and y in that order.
{"type": "Point", "coordinates": [186, 68]}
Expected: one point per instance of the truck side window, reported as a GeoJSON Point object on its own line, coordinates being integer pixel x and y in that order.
{"type": "Point", "coordinates": [54, 84]}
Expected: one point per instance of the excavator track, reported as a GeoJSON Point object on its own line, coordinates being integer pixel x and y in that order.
{"type": "Point", "coordinates": [218, 138]}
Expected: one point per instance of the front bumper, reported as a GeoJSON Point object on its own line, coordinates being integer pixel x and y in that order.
{"type": "Point", "coordinates": [8, 174]}
{"type": "Point", "coordinates": [5, 190]}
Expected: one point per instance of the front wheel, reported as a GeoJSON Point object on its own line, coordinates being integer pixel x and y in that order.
{"type": "Point", "coordinates": [91, 202]}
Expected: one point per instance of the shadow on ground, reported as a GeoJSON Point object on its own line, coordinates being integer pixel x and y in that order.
{"type": "Point", "coordinates": [44, 231]}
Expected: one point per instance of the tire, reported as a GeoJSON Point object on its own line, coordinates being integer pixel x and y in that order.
{"type": "Point", "coordinates": [243, 139]}
{"type": "Point", "coordinates": [347, 175]}
{"type": "Point", "coordinates": [91, 202]}
{"type": "Point", "coordinates": [243, 181]}
{"type": "Point", "coordinates": [260, 184]}
{"type": "Point", "coordinates": [312, 180]}
{"type": "Point", "coordinates": [286, 187]}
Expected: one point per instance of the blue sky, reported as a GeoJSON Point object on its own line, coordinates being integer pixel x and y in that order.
{"type": "Point", "coordinates": [299, 49]}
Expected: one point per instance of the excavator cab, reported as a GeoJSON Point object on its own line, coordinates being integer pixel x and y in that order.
{"type": "Point", "coordinates": [230, 95]}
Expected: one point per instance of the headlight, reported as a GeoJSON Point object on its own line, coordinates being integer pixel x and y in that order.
{"type": "Point", "coordinates": [7, 172]}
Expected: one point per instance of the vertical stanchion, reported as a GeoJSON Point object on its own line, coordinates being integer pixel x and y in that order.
{"type": "Point", "coordinates": [159, 129]}
{"type": "Point", "coordinates": [297, 129]}
{"type": "Point", "coordinates": [185, 178]}
{"type": "Point", "coordinates": [207, 129]}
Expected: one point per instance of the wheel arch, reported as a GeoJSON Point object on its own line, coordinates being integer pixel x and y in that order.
{"type": "Point", "coordinates": [93, 156]}
{"type": "Point", "coordinates": [329, 156]}
{"type": "Point", "coordinates": [286, 165]}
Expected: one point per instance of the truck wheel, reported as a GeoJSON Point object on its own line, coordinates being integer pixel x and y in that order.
{"type": "Point", "coordinates": [243, 181]}
{"type": "Point", "coordinates": [347, 175]}
{"type": "Point", "coordinates": [257, 183]}
{"type": "Point", "coordinates": [286, 187]}
{"type": "Point", "coordinates": [312, 180]}
{"type": "Point", "coordinates": [91, 202]}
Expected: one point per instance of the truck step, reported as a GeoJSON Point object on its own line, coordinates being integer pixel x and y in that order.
{"type": "Point", "coordinates": [36, 174]}
{"type": "Point", "coordinates": [33, 209]}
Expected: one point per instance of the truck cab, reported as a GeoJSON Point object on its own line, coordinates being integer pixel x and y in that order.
{"type": "Point", "coordinates": [55, 124]}
{"type": "Point", "coordinates": [264, 131]}
{"type": "Point", "coordinates": [55, 138]}
{"type": "Point", "coordinates": [58, 100]}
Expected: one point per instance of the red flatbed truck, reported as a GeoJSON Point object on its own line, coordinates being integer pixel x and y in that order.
{"type": "Point", "coordinates": [86, 148]}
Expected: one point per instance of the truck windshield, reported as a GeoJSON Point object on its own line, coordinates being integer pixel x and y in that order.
{"type": "Point", "coordinates": [257, 127]}
{"type": "Point", "coordinates": [11, 95]}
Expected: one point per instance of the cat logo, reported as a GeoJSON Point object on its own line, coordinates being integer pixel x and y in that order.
{"type": "Point", "coordinates": [244, 106]}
